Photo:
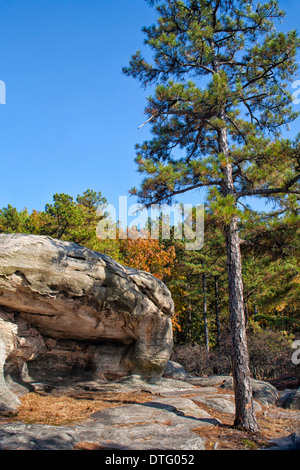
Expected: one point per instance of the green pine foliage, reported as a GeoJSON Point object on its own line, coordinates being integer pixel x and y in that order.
{"type": "Point", "coordinates": [215, 64]}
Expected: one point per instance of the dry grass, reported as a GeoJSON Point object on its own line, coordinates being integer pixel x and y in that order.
{"type": "Point", "coordinates": [272, 425]}
{"type": "Point", "coordinates": [62, 410]}
{"type": "Point", "coordinates": [88, 446]}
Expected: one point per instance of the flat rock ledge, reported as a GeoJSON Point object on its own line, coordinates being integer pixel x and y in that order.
{"type": "Point", "coordinates": [131, 427]}
{"type": "Point", "coordinates": [166, 422]}
{"type": "Point", "coordinates": [163, 423]}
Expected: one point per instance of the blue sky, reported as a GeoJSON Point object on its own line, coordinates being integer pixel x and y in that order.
{"type": "Point", "coordinates": [71, 117]}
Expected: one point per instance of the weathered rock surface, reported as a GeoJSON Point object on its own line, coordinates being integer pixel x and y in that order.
{"type": "Point", "coordinates": [289, 399]}
{"type": "Point", "coordinates": [221, 403]}
{"type": "Point", "coordinates": [170, 420]}
{"type": "Point", "coordinates": [291, 442]}
{"type": "Point", "coordinates": [159, 424]}
{"type": "Point", "coordinates": [8, 401]}
{"type": "Point", "coordinates": [264, 392]}
{"type": "Point", "coordinates": [185, 407]}
{"type": "Point", "coordinates": [210, 381]}
{"type": "Point", "coordinates": [66, 310]}
{"type": "Point", "coordinates": [174, 370]}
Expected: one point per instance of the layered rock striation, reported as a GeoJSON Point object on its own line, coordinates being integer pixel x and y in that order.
{"type": "Point", "coordinates": [67, 311]}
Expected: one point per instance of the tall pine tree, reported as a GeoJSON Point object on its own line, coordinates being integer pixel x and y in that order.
{"type": "Point", "coordinates": [221, 71]}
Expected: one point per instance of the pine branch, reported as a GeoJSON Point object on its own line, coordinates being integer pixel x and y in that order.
{"type": "Point", "coordinates": [268, 192]}
{"type": "Point", "coordinates": [148, 120]}
{"type": "Point", "coordinates": [181, 191]}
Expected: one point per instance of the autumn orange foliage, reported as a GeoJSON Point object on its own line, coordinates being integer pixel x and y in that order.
{"type": "Point", "coordinates": [147, 254]}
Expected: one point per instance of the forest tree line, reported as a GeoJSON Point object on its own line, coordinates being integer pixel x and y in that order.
{"type": "Point", "coordinates": [196, 279]}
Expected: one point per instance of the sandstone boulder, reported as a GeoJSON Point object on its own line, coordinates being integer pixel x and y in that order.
{"type": "Point", "coordinates": [67, 311]}
{"type": "Point", "coordinates": [174, 370]}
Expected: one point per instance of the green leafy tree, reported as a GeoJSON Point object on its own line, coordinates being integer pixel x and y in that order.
{"type": "Point", "coordinates": [221, 71]}
{"type": "Point", "coordinates": [66, 219]}
{"type": "Point", "coordinates": [72, 220]}
{"type": "Point", "coordinates": [193, 285]}
{"type": "Point", "coordinates": [62, 217]}
{"type": "Point", "coordinates": [11, 220]}
{"type": "Point", "coordinates": [270, 247]}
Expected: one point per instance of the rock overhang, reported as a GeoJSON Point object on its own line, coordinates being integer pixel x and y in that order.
{"type": "Point", "coordinates": [67, 292]}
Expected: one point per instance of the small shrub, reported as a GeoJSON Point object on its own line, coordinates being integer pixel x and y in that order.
{"type": "Point", "coordinates": [192, 357]}
{"type": "Point", "coordinates": [270, 355]}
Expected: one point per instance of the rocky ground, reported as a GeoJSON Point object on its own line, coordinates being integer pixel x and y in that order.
{"type": "Point", "coordinates": [190, 414]}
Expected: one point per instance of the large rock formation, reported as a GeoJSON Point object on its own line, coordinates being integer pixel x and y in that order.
{"type": "Point", "coordinates": [67, 311]}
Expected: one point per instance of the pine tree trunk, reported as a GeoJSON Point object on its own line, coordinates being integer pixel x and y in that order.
{"type": "Point", "coordinates": [189, 321]}
{"type": "Point", "coordinates": [246, 312]}
{"type": "Point", "coordinates": [217, 312]}
{"type": "Point", "coordinates": [245, 416]}
{"type": "Point", "coordinates": [255, 311]}
{"type": "Point", "coordinates": [205, 318]}
{"type": "Point", "coordinates": [189, 318]}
